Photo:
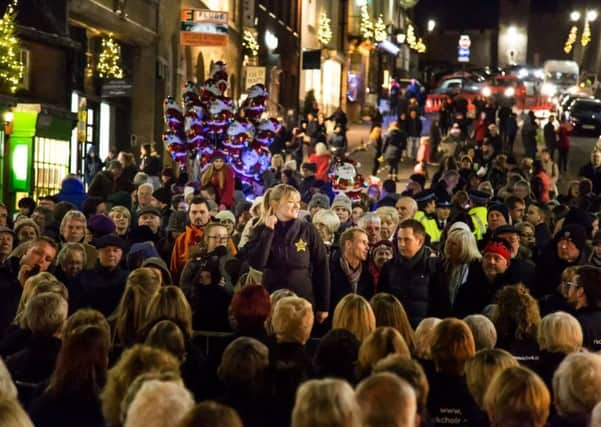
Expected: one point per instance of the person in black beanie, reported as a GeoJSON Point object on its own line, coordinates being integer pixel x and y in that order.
{"type": "Point", "coordinates": [567, 249]}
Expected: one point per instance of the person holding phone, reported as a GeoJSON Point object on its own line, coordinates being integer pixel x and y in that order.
{"type": "Point", "coordinates": [289, 251]}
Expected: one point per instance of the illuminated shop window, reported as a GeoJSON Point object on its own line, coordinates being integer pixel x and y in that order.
{"type": "Point", "coordinates": [51, 165]}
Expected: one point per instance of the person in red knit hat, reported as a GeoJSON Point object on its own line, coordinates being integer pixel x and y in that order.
{"type": "Point", "coordinates": [220, 175]}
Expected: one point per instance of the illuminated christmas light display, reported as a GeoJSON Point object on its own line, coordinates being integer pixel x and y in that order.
{"type": "Point", "coordinates": [11, 67]}
{"type": "Point", "coordinates": [109, 61]}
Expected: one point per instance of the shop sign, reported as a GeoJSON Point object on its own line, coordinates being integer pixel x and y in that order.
{"type": "Point", "coordinates": [254, 75]}
{"type": "Point", "coordinates": [116, 89]}
{"type": "Point", "coordinates": [203, 27]}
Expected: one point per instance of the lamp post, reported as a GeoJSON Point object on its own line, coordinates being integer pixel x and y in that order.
{"type": "Point", "coordinates": [588, 15]}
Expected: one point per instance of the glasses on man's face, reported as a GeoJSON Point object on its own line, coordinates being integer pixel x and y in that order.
{"type": "Point", "coordinates": [568, 284]}
{"type": "Point", "coordinates": [219, 238]}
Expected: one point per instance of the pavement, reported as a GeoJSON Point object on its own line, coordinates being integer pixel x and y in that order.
{"type": "Point", "coordinates": [358, 134]}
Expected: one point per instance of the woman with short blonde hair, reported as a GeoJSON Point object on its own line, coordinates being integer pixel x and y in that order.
{"type": "Point", "coordinates": [292, 320]}
{"type": "Point", "coordinates": [382, 342]}
{"type": "Point", "coordinates": [423, 337]}
{"type": "Point", "coordinates": [481, 369]}
{"type": "Point", "coordinates": [354, 314]}
{"type": "Point", "coordinates": [389, 219]}
{"type": "Point", "coordinates": [517, 397]}
{"type": "Point", "coordinates": [328, 402]}
{"type": "Point", "coordinates": [559, 332]}
{"type": "Point", "coordinates": [577, 387]}
{"type": "Point", "coordinates": [390, 312]}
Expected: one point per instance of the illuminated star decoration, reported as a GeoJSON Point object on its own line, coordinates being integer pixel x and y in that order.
{"type": "Point", "coordinates": [11, 67]}
{"type": "Point", "coordinates": [301, 245]}
{"type": "Point", "coordinates": [109, 62]}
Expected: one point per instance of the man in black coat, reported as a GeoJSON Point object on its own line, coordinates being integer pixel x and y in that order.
{"type": "Point", "coordinates": [14, 272]}
{"type": "Point", "coordinates": [414, 275]}
{"type": "Point", "coordinates": [485, 279]}
{"type": "Point", "coordinates": [349, 269]}
{"type": "Point", "coordinates": [584, 295]}
{"type": "Point", "coordinates": [102, 286]}
{"type": "Point", "coordinates": [592, 171]}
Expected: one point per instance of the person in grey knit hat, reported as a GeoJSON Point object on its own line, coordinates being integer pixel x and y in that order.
{"type": "Point", "coordinates": [317, 202]}
{"type": "Point", "coordinates": [343, 207]}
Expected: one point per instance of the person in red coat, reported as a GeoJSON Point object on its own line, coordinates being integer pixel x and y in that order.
{"type": "Point", "coordinates": [321, 158]}
{"type": "Point", "coordinates": [220, 176]}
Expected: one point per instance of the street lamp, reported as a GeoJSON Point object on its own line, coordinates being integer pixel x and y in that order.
{"type": "Point", "coordinates": [431, 25]}
{"type": "Point", "coordinates": [591, 15]}
{"type": "Point", "coordinates": [574, 16]}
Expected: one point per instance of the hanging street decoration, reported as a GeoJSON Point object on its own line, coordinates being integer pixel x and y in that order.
{"type": "Point", "coordinates": [366, 26]}
{"type": "Point", "coordinates": [250, 43]}
{"type": "Point", "coordinates": [11, 67]}
{"type": "Point", "coordinates": [567, 48]}
{"type": "Point", "coordinates": [109, 61]}
{"type": "Point", "coordinates": [586, 33]}
{"type": "Point", "coordinates": [324, 33]}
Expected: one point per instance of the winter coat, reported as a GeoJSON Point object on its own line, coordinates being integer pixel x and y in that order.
{"type": "Point", "coordinates": [101, 186]}
{"type": "Point", "coordinates": [341, 285]}
{"type": "Point", "coordinates": [449, 401]}
{"type": "Point", "coordinates": [394, 144]}
{"type": "Point", "coordinates": [323, 162]}
{"type": "Point", "coordinates": [72, 191]}
{"type": "Point", "coordinates": [69, 410]}
{"type": "Point", "coordinates": [549, 268]}
{"type": "Point", "coordinates": [102, 288]}
{"type": "Point", "coordinates": [10, 293]}
{"type": "Point", "coordinates": [225, 193]}
{"type": "Point", "coordinates": [417, 284]}
{"type": "Point", "coordinates": [292, 256]}
{"type": "Point", "coordinates": [590, 320]}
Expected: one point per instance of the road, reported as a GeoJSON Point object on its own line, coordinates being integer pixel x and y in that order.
{"type": "Point", "coordinates": [358, 133]}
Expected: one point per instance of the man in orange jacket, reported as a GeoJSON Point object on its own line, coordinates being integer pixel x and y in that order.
{"type": "Point", "coordinates": [198, 217]}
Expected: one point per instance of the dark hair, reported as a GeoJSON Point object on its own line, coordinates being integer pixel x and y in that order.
{"type": "Point", "coordinates": [415, 225]}
{"type": "Point", "coordinates": [512, 201]}
{"type": "Point", "coordinates": [336, 355]}
{"type": "Point", "coordinates": [27, 202]}
{"type": "Point", "coordinates": [389, 186]}
{"type": "Point", "coordinates": [198, 201]}
{"type": "Point", "coordinates": [90, 205]}
{"type": "Point", "coordinates": [250, 307]}
{"type": "Point", "coordinates": [81, 365]}
{"type": "Point", "coordinates": [589, 279]}
{"type": "Point", "coordinates": [61, 209]}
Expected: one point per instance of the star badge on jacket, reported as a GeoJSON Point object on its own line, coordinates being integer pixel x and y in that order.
{"type": "Point", "coordinates": [301, 245]}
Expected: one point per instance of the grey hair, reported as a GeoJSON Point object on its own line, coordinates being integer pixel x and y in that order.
{"type": "Point", "coordinates": [483, 330]}
{"type": "Point", "coordinates": [368, 218]}
{"type": "Point", "coordinates": [66, 251]}
{"type": "Point", "coordinates": [467, 241]}
{"type": "Point", "coordinates": [577, 384]}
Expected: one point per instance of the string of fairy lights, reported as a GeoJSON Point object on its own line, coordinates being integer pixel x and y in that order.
{"type": "Point", "coordinates": [11, 67]}
{"type": "Point", "coordinates": [376, 30]}
{"type": "Point", "coordinates": [109, 61]}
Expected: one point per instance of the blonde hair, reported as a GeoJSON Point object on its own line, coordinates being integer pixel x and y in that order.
{"type": "Point", "coordinates": [292, 320]}
{"type": "Point", "coordinates": [382, 342]}
{"type": "Point", "coordinates": [328, 402]}
{"type": "Point", "coordinates": [321, 149]}
{"type": "Point", "coordinates": [276, 194]}
{"type": "Point", "coordinates": [388, 214]}
{"type": "Point", "coordinates": [12, 414]}
{"type": "Point", "coordinates": [142, 284]}
{"type": "Point", "coordinates": [328, 218]}
{"type": "Point", "coordinates": [354, 314]}
{"type": "Point", "coordinates": [159, 403]}
{"type": "Point", "coordinates": [423, 337]}
{"type": "Point", "coordinates": [135, 361]}
{"type": "Point", "coordinates": [85, 317]}
{"type": "Point", "coordinates": [559, 332]}
{"type": "Point", "coordinates": [517, 397]}
{"type": "Point", "coordinates": [389, 311]}
{"type": "Point", "coordinates": [66, 251]}
{"type": "Point", "coordinates": [211, 414]}
{"type": "Point", "coordinates": [45, 314]}
{"type": "Point", "coordinates": [170, 303]}
{"type": "Point", "coordinates": [70, 216]}
{"type": "Point", "coordinates": [577, 384]}
{"type": "Point", "coordinates": [275, 297]}
{"type": "Point", "coordinates": [481, 369]}
{"type": "Point", "coordinates": [30, 284]}
{"type": "Point", "coordinates": [7, 386]}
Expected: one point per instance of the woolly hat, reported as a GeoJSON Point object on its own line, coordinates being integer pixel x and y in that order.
{"type": "Point", "coordinates": [110, 240]}
{"type": "Point", "coordinates": [574, 233]}
{"type": "Point", "coordinates": [319, 201]}
{"type": "Point", "coordinates": [497, 247]}
{"type": "Point", "coordinates": [225, 216]}
{"type": "Point", "coordinates": [101, 225]}
{"type": "Point", "coordinates": [139, 252]}
{"type": "Point", "coordinates": [381, 244]}
{"type": "Point", "coordinates": [341, 200]}
{"type": "Point", "coordinates": [419, 178]}
{"type": "Point", "coordinates": [24, 222]}
{"type": "Point", "coordinates": [499, 207]}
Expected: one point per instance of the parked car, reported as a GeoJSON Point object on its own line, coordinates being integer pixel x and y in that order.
{"type": "Point", "coordinates": [454, 84]}
{"type": "Point", "coordinates": [585, 115]}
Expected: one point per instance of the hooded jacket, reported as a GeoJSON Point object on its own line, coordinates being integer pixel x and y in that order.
{"type": "Point", "coordinates": [72, 191]}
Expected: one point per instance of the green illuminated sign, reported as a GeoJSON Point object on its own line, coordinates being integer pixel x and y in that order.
{"type": "Point", "coordinates": [20, 150]}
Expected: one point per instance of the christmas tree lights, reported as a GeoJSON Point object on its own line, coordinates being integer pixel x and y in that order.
{"type": "Point", "coordinates": [366, 26]}
{"type": "Point", "coordinates": [109, 62]}
{"type": "Point", "coordinates": [411, 39]}
{"type": "Point", "coordinates": [380, 29]}
{"type": "Point", "coordinates": [567, 48]}
{"type": "Point", "coordinates": [249, 42]}
{"type": "Point", "coordinates": [11, 67]}
{"type": "Point", "coordinates": [324, 33]}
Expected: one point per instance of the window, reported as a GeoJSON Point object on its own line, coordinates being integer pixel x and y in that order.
{"type": "Point", "coordinates": [50, 164]}
{"type": "Point", "coordinates": [24, 56]}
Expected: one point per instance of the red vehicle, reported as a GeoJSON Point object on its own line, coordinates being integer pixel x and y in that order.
{"type": "Point", "coordinates": [504, 87]}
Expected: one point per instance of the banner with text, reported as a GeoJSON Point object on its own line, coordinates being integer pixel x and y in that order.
{"type": "Point", "coordinates": [203, 27]}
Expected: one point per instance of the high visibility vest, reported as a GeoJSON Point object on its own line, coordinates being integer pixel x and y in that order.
{"type": "Point", "coordinates": [479, 216]}
{"type": "Point", "coordinates": [430, 225]}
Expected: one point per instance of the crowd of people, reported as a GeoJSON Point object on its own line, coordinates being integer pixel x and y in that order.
{"type": "Point", "coordinates": [472, 298]}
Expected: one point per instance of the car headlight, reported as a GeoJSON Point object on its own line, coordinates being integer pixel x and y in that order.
{"type": "Point", "coordinates": [549, 89]}
{"type": "Point", "coordinates": [509, 92]}
{"type": "Point", "coordinates": [486, 91]}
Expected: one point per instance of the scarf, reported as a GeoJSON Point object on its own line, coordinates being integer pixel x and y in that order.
{"type": "Point", "coordinates": [352, 275]}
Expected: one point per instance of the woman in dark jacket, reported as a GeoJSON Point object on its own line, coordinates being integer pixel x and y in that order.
{"type": "Point", "coordinates": [72, 397]}
{"type": "Point", "coordinates": [289, 251]}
